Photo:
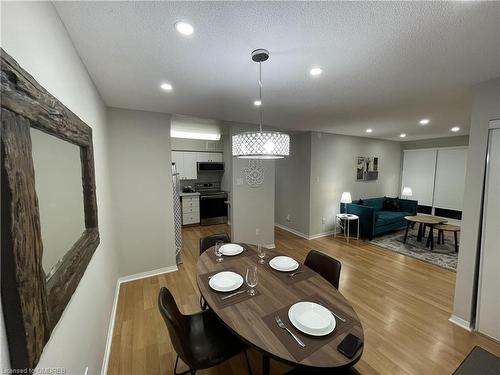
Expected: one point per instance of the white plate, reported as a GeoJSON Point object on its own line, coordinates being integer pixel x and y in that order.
{"type": "Point", "coordinates": [225, 281]}
{"type": "Point", "coordinates": [284, 264]}
{"type": "Point", "coordinates": [311, 318]}
{"type": "Point", "coordinates": [231, 249]}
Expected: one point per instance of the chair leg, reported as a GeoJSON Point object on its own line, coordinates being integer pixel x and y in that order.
{"type": "Point", "coordinates": [248, 363]}
{"type": "Point", "coordinates": [190, 371]}
{"type": "Point", "coordinates": [203, 303]}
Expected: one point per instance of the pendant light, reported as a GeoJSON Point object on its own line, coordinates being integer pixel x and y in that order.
{"type": "Point", "coordinates": [261, 144]}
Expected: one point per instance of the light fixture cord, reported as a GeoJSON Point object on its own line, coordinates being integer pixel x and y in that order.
{"type": "Point", "coordinates": [260, 96]}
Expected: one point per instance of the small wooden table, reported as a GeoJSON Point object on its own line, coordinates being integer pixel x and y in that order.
{"type": "Point", "coordinates": [424, 221]}
{"type": "Point", "coordinates": [246, 319]}
{"type": "Point", "coordinates": [441, 228]}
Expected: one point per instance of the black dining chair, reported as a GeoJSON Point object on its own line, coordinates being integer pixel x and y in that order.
{"type": "Point", "coordinates": [209, 241]}
{"type": "Point", "coordinates": [200, 340]}
{"type": "Point", "coordinates": [348, 371]}
{"type": "Point", "coordinates": [206, 243]}
{"type": "Point", "coordinates": [325, 265]}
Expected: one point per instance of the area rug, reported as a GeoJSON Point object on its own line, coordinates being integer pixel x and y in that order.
{"type": "Point", "coordinates": [444, 255]}
{"type": "Point", "coordinates": [479, 361]}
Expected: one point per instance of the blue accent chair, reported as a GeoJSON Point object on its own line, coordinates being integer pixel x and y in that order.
{"type": "Point", "coordinates": [373, 220]}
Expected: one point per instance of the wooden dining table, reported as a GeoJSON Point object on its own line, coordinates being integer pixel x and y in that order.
{"type": "Point", "coordinates": [252, 318]}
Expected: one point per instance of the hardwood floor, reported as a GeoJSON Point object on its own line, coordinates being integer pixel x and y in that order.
{"type": "Point", "coordinates": [403, 303]}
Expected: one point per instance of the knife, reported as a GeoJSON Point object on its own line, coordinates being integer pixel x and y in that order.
{"type": "Point", "coordinates": [233, 294]}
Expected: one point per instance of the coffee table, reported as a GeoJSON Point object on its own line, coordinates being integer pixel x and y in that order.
{"type": "Point", "coordinates": [424, 221]}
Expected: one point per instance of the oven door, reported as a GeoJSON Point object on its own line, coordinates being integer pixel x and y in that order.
{"type": "Point", "coordinates": [213, 209]}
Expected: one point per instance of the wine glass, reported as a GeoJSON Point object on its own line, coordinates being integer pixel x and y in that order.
{"type": "Point", "coordinates": [261, 250]}
{"type": "Point", "coordinates": [251, 279]}
{"type": "Point", "coordinates": [217, 251]}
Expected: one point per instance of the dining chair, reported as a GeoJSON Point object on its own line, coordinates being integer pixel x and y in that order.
{"type": "Point", "coordinates": [200, 339]}
{"type": "Point", "coordinates": [348, 371]}
{"type": "Point", "coordinates": [325, 265]}
{"type": "Point", "coordinates": [209, 241]}
{"type": "Point", "coordinates": [206, 243]}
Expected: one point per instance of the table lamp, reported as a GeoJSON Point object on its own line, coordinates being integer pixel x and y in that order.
{"type": "Point", "coordinates": [407, 192]}
{"type": "Point", "coordinates": [346, 198]}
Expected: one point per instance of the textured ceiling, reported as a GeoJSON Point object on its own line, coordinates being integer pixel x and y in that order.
{"type": "Point", "coordinates": [386, 65]}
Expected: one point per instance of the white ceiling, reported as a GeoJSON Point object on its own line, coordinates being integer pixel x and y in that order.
{"type": "Point", "coordinates": [386, 65]}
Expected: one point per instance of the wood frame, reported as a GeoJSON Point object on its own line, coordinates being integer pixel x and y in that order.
{"type": "Point", "coordinates": [31, 306]}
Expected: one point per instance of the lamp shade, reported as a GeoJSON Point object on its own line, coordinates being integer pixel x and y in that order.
{"type": "Point", "coordinates": [407, 191]}
{"type": "Point", "coordinates": [346, 197]}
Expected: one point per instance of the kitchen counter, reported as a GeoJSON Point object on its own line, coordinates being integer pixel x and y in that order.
{"type": "Point", "coordinates": [188, 194]}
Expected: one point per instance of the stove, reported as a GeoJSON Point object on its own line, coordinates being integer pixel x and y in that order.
{"type": "Point", "coordinates": [213, 203]}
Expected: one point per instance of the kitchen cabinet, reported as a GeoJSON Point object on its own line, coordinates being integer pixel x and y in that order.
{"type": "Point", "coordinates": [209, 156]}
{"type": "Point", "coordinates": [190, 210]}
{"type": "Point", "coordinates": [185, 162]}
{"type": "Point", "coordinates": [190, 167]}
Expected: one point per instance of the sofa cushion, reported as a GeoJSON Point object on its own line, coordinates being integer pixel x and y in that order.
{"type": "Point", "coordinates": [391, 204]}
{"type": "Point", "coordinates": [389, 217]}
{"type": "Point", "coordinates": [376, 203]}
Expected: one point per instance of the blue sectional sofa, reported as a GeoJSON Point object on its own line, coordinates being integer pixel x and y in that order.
{"type": "Point", "coordinates": [374, 220]}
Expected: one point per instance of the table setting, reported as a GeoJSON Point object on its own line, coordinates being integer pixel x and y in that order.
{"type": "Point", "coordinates": [278, 305]}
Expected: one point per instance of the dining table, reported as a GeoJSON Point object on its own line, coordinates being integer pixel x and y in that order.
{"type": "Point", "coordinates": [254, 318]}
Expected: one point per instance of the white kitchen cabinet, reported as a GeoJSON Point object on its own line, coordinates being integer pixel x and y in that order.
{"type": "Point", "coordinates": [178, 159]}
{"type": "Point", "coordinates": [190, 210]}
{"type": "Point", "coordinates": [190, 167]}
{"type": "Point", "coordinates": [209, 156]}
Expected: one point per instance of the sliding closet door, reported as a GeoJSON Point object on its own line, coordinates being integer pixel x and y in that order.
{"type": "Point", "coordinates": [450, 179]}
{"type": "Point", "coordinates": [418, 173]}
{"type": "Point", "coordinates": [488, 314]}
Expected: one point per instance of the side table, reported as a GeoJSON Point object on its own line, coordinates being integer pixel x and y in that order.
{"type": "Point", "coordinates": [343, 221]}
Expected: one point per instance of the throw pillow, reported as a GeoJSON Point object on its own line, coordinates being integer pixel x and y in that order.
{"type": "Point", "coordinates": [361, 202]}
{"type": "Point", "coordinates": [391, 204]}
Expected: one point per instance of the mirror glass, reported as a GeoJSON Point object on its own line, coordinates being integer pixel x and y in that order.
{"type": "Point", "coordinates": [58, 184]}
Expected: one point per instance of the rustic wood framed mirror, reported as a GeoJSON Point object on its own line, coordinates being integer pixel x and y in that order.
{"type": "Point", "coordinates": [32, 300]}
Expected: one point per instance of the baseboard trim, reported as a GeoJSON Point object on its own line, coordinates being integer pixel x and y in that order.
{"type": "Point", "coordinates": [462, 323]}
{"type": "Point", "coordinates": [296, 232]}
{"type": "Point", "coordinates": [111, 327]}
{"type": "Point", "coordinates": [303, 235]}
{"type": "Point", "coordinates": [143, 275]}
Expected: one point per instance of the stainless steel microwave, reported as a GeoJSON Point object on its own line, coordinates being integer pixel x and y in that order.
{"type": "Point", "coordinates": [209, 166]}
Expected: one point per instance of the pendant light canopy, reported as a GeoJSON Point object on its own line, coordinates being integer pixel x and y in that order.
{"type": "Point", "coordinates": [261, 144]}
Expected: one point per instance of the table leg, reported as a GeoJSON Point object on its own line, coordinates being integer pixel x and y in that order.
{"type": "Point", "coordinates": [456, 241]}
{"type": "Point", "coordinates": [348, 226]}
{"type": "Point", "coordinates": [406, 231]}
{"type": "Point", "coordinates": [430, 239]}
{"type": "Point", "coordinates": [266, 364]}
{"type": "Point", "coordinates": [420, 232]}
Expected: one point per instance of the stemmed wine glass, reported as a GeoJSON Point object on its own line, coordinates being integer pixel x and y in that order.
{"type": "Point", "coordinates": [251, 279]}
{"type": "Point", "coordinates": [262, 253]}
{"type": "Point", "coordinates": [217, 251]}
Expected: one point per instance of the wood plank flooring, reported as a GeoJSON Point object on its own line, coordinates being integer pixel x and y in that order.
{"type": "Point", "coordinates": [403, 303]}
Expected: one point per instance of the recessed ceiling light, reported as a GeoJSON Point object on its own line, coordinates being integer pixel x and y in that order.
{"type": "Point", "coordinates": [424, 121]}
{"type": "Point", "coordinates": [257, 103]}
{"type": "Point", "coordinates": [455, 129]}
{"type": "Point", "coordinates": [369, 130]}
{"type": "Point", "coordinates": [315, 71]}
{"type": "Point", "coordinates": [166, 86]}
{"type": "Point", "coordinates": [184, 28]}
{"type": "Point", "coordinates": [402, 135]}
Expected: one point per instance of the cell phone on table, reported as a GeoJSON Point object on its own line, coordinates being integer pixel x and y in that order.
{"type": "Point", "coordinates": [350, 345]}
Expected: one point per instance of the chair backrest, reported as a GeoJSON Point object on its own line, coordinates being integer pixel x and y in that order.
{"type": "Point", "coordinates": [209, 241]}
{"type": "Point", "coordinates": [177, 325]}
{"type": "Point", "coordinates": [325, 265]}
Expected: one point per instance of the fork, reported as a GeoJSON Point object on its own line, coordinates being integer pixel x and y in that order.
{"type": "Point", "coordinates": [282, 325]}
{"type": "Point", "coordinates": [295, 273]}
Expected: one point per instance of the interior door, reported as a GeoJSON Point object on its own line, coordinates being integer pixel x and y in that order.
{"type": "Point", "coordinates": [488, 311]}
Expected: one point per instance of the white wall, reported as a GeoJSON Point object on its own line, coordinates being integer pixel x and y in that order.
{"type": "Point", "coordinates": [459, 140]}
{"type": "Point", "coordinates": [141, 176]}
{"type": "Point", "coordinates": [333, 170]}
{"type": "Point", "coordinates": [33, 34]}
{"type": "Point", "coordinates": [184, 144]}
{"type": "Point", "coordinates": [485, 107]}
{"type": "Point", "coordinates": [293, 183]}
{"type": "Point", "coordinates": [252, 208]}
